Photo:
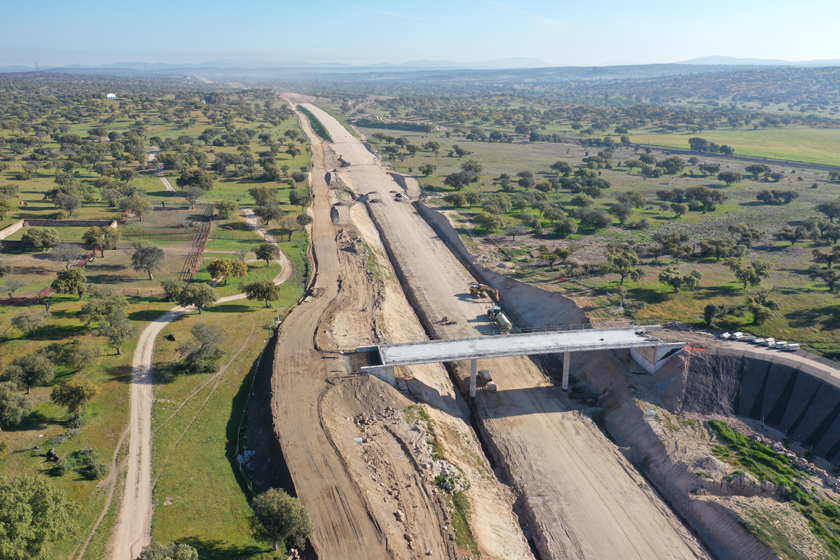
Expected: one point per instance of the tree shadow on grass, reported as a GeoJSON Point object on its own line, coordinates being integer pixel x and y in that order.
{"type": "Point", "coordinates": [646, 296]}
{"type": "Point", "coordinates": [146, 314]}
{"type": "Point", "coordinates": [230, 308]}
{"type": "Point", "coordinates": [721, 291]}
{"type": "Point", "coordinates": [825, 318]}
{"type": "Point", "coordinates": [58, 332]}
{"type": "Point", "coordinates": [104, 278]}
{"type": "Point", "coordinates": [36, 420]}
{"type": "Point", "coordinates": [236, 226]}
{"type": "Point", "coordinates": [209, 549]}
{"type": "Point", "coordinates": [778, 248]}
{"type": "Point", "coordinates": [163, 193]}
{"type": "Point", "coordinates": [121, 374]}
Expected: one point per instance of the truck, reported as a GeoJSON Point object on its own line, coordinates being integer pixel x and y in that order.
{"type": "Point", "coordinates": [500, 319]}
{"type": "Point", "coordinates": [482, 290]}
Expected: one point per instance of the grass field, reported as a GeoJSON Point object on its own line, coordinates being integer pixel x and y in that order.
{"type": "Point", "coordinates": [105, 418]}
{"type": "Point", "coordinates": [196, 419]}
{"type": "Point", "coordinates": [218, 407]}
{"type": "Point", "coordinates": [811, 145]}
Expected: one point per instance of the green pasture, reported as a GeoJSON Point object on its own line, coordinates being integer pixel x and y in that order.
{"type": "Point", "coordinates": [196, 419]}
{"type": "Point", "coordinates": [809, 145]}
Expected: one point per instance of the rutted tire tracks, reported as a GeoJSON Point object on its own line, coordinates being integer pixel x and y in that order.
{"type": "Point", "coordinates": [132, 530]}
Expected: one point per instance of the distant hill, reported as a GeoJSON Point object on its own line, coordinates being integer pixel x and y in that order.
{"type": "Point", "coordinates": [499, 64]}
{"type": "Point", "coordinates": [730, 61]}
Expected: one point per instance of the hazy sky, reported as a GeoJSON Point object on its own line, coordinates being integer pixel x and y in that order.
{"type": "Point", "coordinates": [58, 32]}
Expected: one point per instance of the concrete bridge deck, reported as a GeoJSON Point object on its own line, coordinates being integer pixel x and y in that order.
{"type": "Point", "coordinates": [648, 351]}
{"type": "Point", "coordinates": [500, 346]}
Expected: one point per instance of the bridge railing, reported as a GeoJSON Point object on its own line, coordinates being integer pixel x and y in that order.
{"type": "Point", "coordinates": [559, 328]}
{"type": "Point", "coordinates": [502, 352]}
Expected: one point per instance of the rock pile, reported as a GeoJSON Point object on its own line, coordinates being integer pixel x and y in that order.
{"type": "Point", "coordinates": [676, 326]}
{"type": "Point", "coordinates": [798, 462]}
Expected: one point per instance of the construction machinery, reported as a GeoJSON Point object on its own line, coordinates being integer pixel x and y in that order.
{"type": "Point", "coordinates": [481, 290]}
{"type": "Point", "coordinates": [498, 316]}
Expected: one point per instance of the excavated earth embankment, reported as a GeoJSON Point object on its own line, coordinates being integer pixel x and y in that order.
{"type": "Point", "coordinates": [799, 398]}
{"type": "Point", "coordinates": [797, 395]}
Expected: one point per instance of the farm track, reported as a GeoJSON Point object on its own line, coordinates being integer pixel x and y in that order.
{"type": "Point", "coordinates": [132, 530]}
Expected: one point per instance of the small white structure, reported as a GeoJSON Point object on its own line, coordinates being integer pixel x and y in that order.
{"type": "Point", "coordinates": [111, 96]}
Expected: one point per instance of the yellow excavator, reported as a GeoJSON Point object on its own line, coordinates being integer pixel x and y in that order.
{"type": "Point", "coordinates": [481, 290]}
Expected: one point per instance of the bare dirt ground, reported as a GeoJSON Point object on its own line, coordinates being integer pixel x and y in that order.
{"type": "Point", "coordinates": [133, 528]}
{"type": "Point", "coordinates": [496, 529]}
{"type": "Point", "coordinates": [375, 499]}
{"type": "Point", "coordinates": [583, 498]}
{"type": "Point", "coordinates": [646, 415]}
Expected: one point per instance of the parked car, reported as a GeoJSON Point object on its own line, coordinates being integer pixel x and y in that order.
{"type": "Point", "coordinates": [792, 347]}
{"type": "Point", "coordinates": [770, 342]}
{"type": "Point", "coordinates": [781, 345]}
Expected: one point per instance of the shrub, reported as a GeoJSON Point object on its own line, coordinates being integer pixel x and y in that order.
{"type": "Point", "coordinates": [76, 421]}
{"type": "Point", "coordinates": [94, 471]}
{"type": "Point", "coordinates": [60, 468]}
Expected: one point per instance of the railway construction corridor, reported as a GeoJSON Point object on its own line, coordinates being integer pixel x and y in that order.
{"type": "Point", "coordinates": [581, 496]}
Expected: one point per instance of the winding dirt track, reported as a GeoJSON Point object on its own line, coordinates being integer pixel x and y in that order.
{"type": "Point", "coordinates": [133, 528]}
{"type": "Point", "coordinates": [582, 497]}
{"type": "Point", "coordinates": [345, 529]}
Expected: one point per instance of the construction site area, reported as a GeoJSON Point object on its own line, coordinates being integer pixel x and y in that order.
{"type": "Point", "coordinates": [422, 406]}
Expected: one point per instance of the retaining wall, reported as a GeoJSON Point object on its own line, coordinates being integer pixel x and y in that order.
{"type": "Point", "coordinates": [70, 223]}
{"type": "Point", "coordinates": [798, 399]}
{"type": "Point", "coordinates": [527, 305]}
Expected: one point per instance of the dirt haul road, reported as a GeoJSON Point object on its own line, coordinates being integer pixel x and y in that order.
{"type": "Point", "coordinates": [345, 527]}
{"type": "Point", "coordinates": [378, 498]}
{"type": "Point", "coordinates": [582, 497]}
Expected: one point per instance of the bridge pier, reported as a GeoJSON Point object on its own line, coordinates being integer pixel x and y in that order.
{"type": "Point", "coordinates": [473, 373]}
{"type": "Point", "coordinates": [566, 359]}
{"type": "Point", "coordinates": [650, 352]}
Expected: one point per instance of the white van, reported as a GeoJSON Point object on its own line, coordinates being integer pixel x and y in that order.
{"type": "Point", "coordinates": [781, 345]}
{"type": "Point", "coordinates": [725, 336]}
{"type": "Point", "coordinates": [737, 336]}
{"type": "Point", "coordinates": [759, 341]}
{"type": "Point", "coordinates": [792, 347]}
{"type": "Point", "coordinates": [770, 342]}
{"type": "Point", "coordinates": [749, 338]}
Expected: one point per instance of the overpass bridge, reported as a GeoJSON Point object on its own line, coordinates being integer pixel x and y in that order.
{"type": "Point", "coordinates": [648, 351]}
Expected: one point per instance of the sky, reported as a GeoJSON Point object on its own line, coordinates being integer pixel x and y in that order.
{"type": "Point", "coordinates": [560, 32]}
